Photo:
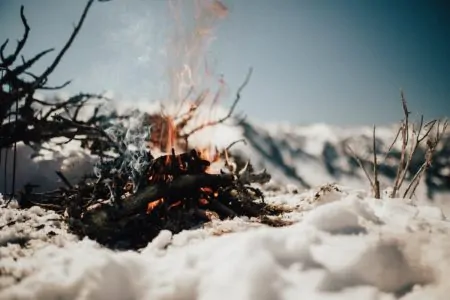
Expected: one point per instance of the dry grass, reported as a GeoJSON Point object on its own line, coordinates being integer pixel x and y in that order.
{"type": "Point", "coordinates": [412, 136]}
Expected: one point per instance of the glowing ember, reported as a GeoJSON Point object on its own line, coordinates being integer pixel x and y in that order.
{"type": "Point", "coordinates": [152, 205]}
{"type": "Point", "coordinates": [166, 167]}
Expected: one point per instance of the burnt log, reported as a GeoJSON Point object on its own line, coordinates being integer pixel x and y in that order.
{"type": "Point", "coordinates": [178, 188]}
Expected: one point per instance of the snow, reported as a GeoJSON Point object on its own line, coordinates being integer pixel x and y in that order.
{"type": "Point", "coordinates": [343, 245]}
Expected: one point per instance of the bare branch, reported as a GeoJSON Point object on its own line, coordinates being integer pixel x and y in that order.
{"type": "Point", "coordinates": [230, 112]}
{"type": "Point", "coordinates": [430, 126]}
{"type": "Point", "coordinates": [234, 143]}
{"type": "Point", "coordinates": [6, 62]}
{"type": "Point", "coordinates": [26, 65]}
{"type": "Point", "coordinates": [393, 143]}
{"type": "Point", "coordinates": [64, 179]}
{"type": "Point", "coordinates": [432, 144]}
{"type": "Point", "coordinates": [58, 87]}
{"type": "Point", "coordinates": [405, 140]}
{"type": "Point", "coordinates": [49, 70]}
{"type": "Point", "coordinates": [413, 147]}
{"type": "Point", "coordinates": [376, 183]}
{"type": "Point", "coordinates": [360, 163]}
{"type": "Point", "coordinates": [2, 56]}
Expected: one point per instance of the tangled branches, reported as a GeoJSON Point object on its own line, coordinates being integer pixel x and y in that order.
{"type": "Point", "coordinates": [24, 117]}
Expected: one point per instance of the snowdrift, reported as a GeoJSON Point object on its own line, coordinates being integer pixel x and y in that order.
{"type": "Point", "coordinates": [344, 245]}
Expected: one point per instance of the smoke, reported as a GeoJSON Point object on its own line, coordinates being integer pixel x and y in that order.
{"type": "Point", "coordinates": [132, 140]}
{"type": "Point", "coordinates": [189, 41]}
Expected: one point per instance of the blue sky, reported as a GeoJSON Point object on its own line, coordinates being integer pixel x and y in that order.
{"type": "Point", "coordinates": [340, 62]}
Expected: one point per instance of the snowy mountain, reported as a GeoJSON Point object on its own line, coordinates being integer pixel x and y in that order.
{"type": "Point", "coordinates": [311, 155]}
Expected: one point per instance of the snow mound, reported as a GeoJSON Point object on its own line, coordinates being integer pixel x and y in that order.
{"type": "Point", "coordinates": [344, 245]}
{"type": "Point", "coordinates": [24, 235]}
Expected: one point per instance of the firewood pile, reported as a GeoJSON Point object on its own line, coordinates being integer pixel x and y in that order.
{"type": "Point", "coordinates": [126, 207]}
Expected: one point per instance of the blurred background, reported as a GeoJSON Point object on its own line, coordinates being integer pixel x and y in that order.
{"type": "Point", "coordinates": [338, 62]}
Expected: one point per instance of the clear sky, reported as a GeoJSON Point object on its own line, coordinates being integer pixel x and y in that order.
{"type": "Point", "coordinates": [340, 62]}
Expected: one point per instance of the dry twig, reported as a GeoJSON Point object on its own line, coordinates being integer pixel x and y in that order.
{"type": "Point", "coordinates": [363, 167]}
{"type": "Point", "coordinates": [376, 182]}
{"type": "Point", "coordinates": [230, 111]}
{"type": "Point", "coordinates": [432, 144]}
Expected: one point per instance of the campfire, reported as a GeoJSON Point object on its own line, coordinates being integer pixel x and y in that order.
{"type": "Point", "coordinates": [148, 177]}
{"type": "Point", "coordinates": [127, 207]}
{"type": "Point", "coordinates": [133, 193]}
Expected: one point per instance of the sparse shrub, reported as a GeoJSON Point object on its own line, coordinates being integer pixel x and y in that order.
{"type": "Point", "coordinates": [416, 138]}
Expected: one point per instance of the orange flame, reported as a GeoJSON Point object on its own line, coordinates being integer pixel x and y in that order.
{"type": "Point", "coordinates": [190, 42]}
{"type": "Point", "coordinates": [189, 71]}
{"type": "Point", "coordinates": [152, 205]}
{"type": "Point", "coordinates": [188, 81]}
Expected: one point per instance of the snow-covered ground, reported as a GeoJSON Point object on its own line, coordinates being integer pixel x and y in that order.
{"type": "Point", "coordinates": [342, 245]}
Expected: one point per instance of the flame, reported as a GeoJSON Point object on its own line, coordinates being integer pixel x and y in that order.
{"type": "Point", "coordinates": [211, 155]}
{"type": "Point", "coordinates": [191, 74]}
{"type": "Point", "coordinates": [152, 205]}
{"type": "Point", "coordinates": [191, 81]}
{"type": "Point", "coordinates": [171, 134]}
{"type": "Point", "coordinates": [191, 37]}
